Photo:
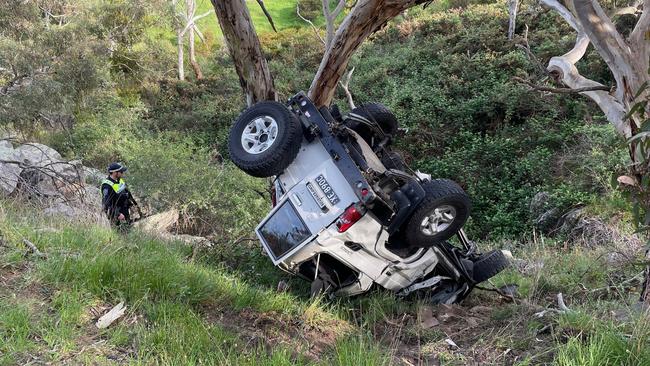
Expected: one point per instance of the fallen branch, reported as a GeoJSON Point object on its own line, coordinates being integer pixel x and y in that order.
{"type": "Point", "coordinates": [560, 304]}
{"type": "Point", "coordinates": [560, 90]}
{"type": "Point", "coordinates": [498, 291]}
{"type": "Point", "coordinates": [34, 249]}
{"type": "Point", "coordinates": [637, 278]}
{"type": "Point", "coordinates": [107, 319]}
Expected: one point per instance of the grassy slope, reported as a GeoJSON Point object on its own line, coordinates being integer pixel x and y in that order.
{"type": "Point", "coordinates": [181, 310]}
{"type": "Point", "coordinates": [283, 13]}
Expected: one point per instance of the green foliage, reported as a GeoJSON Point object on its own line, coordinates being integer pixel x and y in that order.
{"type": "Point", "coordinates": [170, 171]}
{"type": "Point", "coordinates": [636, 186]}
{"type": "Point", "coordinates": [445, 71]}
{"type": "Point", "coordinates": [15, 332]}
{"type": "Point", "coordinates": [447, 76]}
{"type": "Point", "coordinates": [606, 345]}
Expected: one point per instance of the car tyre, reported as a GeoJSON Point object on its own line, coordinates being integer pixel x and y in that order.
{"type": "Point", "coordinates": [378, 113]}
{"type": "Point", "coordinates": [443, 211]}
{"type": "Point", "coordinates": [394, 160]}
{"type": "Point", "coordinates": [265, 139]}
{"type": "Point", "coordinates": [488, 265]}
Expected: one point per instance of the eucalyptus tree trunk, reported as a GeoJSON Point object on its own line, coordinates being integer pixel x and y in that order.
{"type": "Point", "coordinates": [628, 60]}
{"type": "Point", "coordinates": [513, 7]}
{"type": "Point", "coordinates": [193, 62]}
{"type": "Point", "coordinates": [181, 64]}
{"type": "Point", "coordinates": [245, 50]}
{"type": "Point", "coordinates": [367, 17]}
{"type": "Point", "coordinates": [190, 6]}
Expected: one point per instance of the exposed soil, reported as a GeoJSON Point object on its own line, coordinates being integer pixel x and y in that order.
{"type": "Point", "coordinates": [482, 330]}
{"type": "Point", "coordinates": [270, 330]}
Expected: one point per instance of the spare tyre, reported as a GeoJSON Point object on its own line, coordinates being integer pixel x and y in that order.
{"type": "Point", "coordinates": [265, 139]}
{"type": "Point", "coordinates": [443, 211]}
{"type": "Point", "coordinates": [375, 112]}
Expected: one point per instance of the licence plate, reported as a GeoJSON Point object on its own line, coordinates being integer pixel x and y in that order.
{"type": "Point", "coordinates": [327, 190]}
{"type": "Point", "coordinates": [319, 201]}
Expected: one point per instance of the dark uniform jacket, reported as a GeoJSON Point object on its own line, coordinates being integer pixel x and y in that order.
{"type": "Point", "coordinates": [116, 198]}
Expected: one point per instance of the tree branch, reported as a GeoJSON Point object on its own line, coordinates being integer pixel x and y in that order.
{"type": "Point", "coordinates": [642, 24]}
{"type": "Point", "coordinates": [608, 42]}
{"type": "Point", "coordinates": [346, 88]}
{"type": "Point", "coordinates": [639, 38]}
{"type": "Point", "coordinates": [34, 249]}
{"type": "Point", "coordinates": [633, 9]}
{"type": "Point", "coordinates": [365, 18]}
{"type": "Point", "coordinates": [531, 56]}
{"type": "Point", "coordinates": [267, 14]}
{"type": "Point", "coordinates": [564, 69]}
{"type": "Point", "coordinates": [330, 19]}
{"type": "Point", "coordinates": [311, 24]}
{"type": "Point", "coordinates": [560, 90]}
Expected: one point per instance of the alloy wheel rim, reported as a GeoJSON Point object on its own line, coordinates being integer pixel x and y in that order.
{"type": "Point", "coordinates": [259, 135]}
{"type": "Point", "coordinates": [438, 220]}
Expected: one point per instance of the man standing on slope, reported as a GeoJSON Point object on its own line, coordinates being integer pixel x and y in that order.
{"type": "Point", "coordinates": [116, 198]}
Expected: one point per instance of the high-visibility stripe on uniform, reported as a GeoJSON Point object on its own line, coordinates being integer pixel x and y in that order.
{"type": "Point", "coordinates": [117, 187]}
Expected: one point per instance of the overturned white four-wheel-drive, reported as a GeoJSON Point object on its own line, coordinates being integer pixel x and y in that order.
{"type": "Point", "coordinates": [348, 212]}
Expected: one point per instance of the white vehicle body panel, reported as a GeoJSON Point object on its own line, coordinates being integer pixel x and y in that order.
{"type": "Point", "coordinates": [373, 262]}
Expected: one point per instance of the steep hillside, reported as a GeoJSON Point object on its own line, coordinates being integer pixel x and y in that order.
{"type": "Point", "coordinates": [537, 166]}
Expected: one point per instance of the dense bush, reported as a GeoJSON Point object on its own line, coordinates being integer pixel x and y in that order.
{"type": "Point", "coordinates": [171, 171]}
{"type": "Point", "coordinates": [447, 74]}
{"type": "Point", "coordinates": [448, 77]}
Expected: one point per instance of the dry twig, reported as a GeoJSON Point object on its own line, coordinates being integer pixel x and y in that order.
{"type": "Point", "coordinates": [310, 23]}
{"type": "Point", "coordinates": [32, 247]}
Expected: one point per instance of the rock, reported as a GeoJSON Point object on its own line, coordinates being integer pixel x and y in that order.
{"type": "Point", "coordinates": [71, 171]}
{"type": "Point", "coordinates": [427, 320]}
{"type": "Point", "coordinates": [159, 223]}
{"type": "Point", "coordinates": [198, 241]}
{"type": "Point", "coordinates": [38, 154]}
{"type": "Point", "coordinates": [547, 222]}
{"type": "Point", "coordinates": [571, 220]}
{"type": "Point", "coordinates": [9, 173]}
{"type": "Point", "coordinates": [544, 213]}
{"type": "Point", "coordinates": [92, 197]}
{"type": "Point", "coordinates": [92, 176]}
{"type": "Point", "coordinates": [61, 209]}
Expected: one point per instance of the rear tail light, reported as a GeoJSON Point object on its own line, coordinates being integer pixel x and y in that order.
{"type": "Point", "coordinates": [350, 216]}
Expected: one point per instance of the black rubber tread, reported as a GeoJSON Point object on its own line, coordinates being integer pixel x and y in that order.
{"type": "Point", "coordinates": [283, 151]}
{"type": "Point", "coordinates": [438, 192]}
{"type": "Point", "coordinates": [488, 265]}
{"type": "Point", "coordinates": [380, 114]}
{"type": "Point", "coordinates": [394, 160]}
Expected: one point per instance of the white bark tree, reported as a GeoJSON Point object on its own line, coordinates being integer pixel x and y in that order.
{"type": "Point", "coordinates": [365, 18]}
{"type": "Point", "coordinates": [330, 29]}
{"type": "Point", "coordinates": [185, 20]}
{"type": "Point", "coordinates": [330, 19]}
{"type": "Point", "coordinates": [628, 60]}
{"type": "Point", "coordinates": [513, 7]}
